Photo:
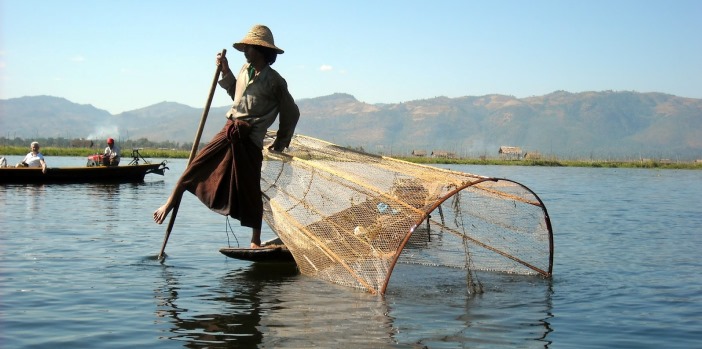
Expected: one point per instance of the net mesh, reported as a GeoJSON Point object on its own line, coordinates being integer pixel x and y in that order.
{"type": "Point", "coordinates": [348, 217]}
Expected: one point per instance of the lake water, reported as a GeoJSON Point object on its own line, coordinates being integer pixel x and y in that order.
{"type": "Point", "coordinates": [78, 269]}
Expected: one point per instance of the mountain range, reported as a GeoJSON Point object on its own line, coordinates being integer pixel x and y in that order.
{"type": "Point", "coordinates": [601, 124]}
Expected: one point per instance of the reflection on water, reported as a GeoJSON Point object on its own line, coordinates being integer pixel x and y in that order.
{"type": "Point", "coordinates": [239, 310]}
{"type": "Point", "coordinates": [30, 197]}
{"type": "Point", "coordinates": [271, 305]}
{"type": "Point", "coordinates": [512, 306]}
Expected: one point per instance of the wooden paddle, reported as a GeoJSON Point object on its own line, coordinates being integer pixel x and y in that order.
{"type": "Point", "coordinates": [193, 151]}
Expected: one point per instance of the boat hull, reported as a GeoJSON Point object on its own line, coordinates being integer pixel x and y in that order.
{"type": "Point", "coordinates": [97, 174]}
{"type": "Point", "coordinates": [264, 254]}
{"type": "Point", "coordinates": [270, 251]}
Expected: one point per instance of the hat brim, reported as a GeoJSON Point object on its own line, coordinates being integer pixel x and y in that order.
{"type": "Point", "coordinates": [240, 45]}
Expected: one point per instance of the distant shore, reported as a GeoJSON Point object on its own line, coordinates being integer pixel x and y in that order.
{"type": "Point", "coordinates": [689, 165]}
{"type": "Point", "coordinates": [553, 162]}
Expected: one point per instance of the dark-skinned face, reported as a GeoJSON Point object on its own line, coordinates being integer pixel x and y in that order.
{"type": "Point", "coordinates": [252, 54]}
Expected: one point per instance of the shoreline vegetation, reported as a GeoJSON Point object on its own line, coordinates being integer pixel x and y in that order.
{"type": "Point", "coordinates": [548, 162]}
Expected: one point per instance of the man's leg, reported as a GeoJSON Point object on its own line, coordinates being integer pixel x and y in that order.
{"type": "Point", "coordinates": [255, 238]}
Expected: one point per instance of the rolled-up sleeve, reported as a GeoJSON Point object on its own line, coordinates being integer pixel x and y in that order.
{"type": "Point", "coordinates": [228, 82]}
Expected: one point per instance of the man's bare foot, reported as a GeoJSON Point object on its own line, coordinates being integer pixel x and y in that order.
{"type": "Point", "coordinates": [161, 213]}
{"type": "Point", "coordinates": [255, 245]}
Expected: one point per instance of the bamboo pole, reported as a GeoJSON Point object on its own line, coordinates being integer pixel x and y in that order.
{"type": "Point", "coordinates": [193, 151]}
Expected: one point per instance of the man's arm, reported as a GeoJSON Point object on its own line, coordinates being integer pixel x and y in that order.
{"type": "Point", "coordinates": [289, 116]}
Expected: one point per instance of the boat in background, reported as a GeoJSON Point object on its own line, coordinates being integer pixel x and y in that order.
{"type": "Point", "coordinates": [134, 172]}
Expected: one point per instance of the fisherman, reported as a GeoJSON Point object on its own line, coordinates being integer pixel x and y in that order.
{"type": "Point", "coordinates": [226, 174]}
{"type": "Point", "coordinates": [111, 156]}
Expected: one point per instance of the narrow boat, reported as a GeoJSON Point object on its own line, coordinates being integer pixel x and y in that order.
{"type": "Point", "coordinates": [134, 172]}
{"type": "Point", "coordinates": [270, 251]}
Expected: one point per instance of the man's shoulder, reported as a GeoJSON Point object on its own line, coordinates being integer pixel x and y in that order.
{"type": "Point", "coordinates": [275, 79]}
{"type": "Point", "coordinates": [274, 73]}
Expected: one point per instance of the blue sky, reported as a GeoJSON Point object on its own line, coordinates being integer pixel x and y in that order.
{"type": "Point", "coordinates": [129, 54]}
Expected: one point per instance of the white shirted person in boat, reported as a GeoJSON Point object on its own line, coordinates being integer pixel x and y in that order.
{"type": "Point", "coordinates": [111, 156]}
{"type": "Point", "coordinates": [34, 158]}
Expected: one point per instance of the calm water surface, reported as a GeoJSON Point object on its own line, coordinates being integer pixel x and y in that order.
{"type": "Point", "coordinates": [78, 270]}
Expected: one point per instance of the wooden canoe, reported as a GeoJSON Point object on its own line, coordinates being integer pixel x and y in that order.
{"type": "Point", "coordinates": [270, 251]}
{"type": "Point", "coordinates": [95, 174]}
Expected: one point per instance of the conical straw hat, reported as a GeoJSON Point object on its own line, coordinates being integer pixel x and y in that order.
{"type": "Point", "coordinates": [258, 35]}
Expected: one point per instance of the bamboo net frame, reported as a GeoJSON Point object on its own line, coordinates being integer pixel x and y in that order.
{"type": "Point", "coordinates": [349, 217]}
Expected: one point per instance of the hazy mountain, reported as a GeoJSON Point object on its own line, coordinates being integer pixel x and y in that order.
{"type": "Point", "coordinates": [599, 124]}
{"type": "Point", "coordinates": [567, 124]}
{"type": "Point", "coordinates": [45, 116]}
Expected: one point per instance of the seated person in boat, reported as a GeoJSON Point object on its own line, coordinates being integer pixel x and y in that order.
{"type": "Point", "coordinates": [111, 156]}
{"type": "Point", "coordinates": [34, 158]}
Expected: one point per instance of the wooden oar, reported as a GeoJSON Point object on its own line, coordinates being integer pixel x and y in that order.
{"type": "Point", "coordinates": [193, 151]}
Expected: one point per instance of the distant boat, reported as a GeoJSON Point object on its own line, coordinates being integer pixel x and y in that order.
{"type": "Point", "coordinates": [131, 173]}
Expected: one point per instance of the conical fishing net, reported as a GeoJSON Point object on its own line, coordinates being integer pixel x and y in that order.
{"type": "Point", "coordinates": [349, 217]}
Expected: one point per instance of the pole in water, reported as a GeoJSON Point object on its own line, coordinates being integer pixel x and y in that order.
{"type": "Point", "coordinates": [193, 151]}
